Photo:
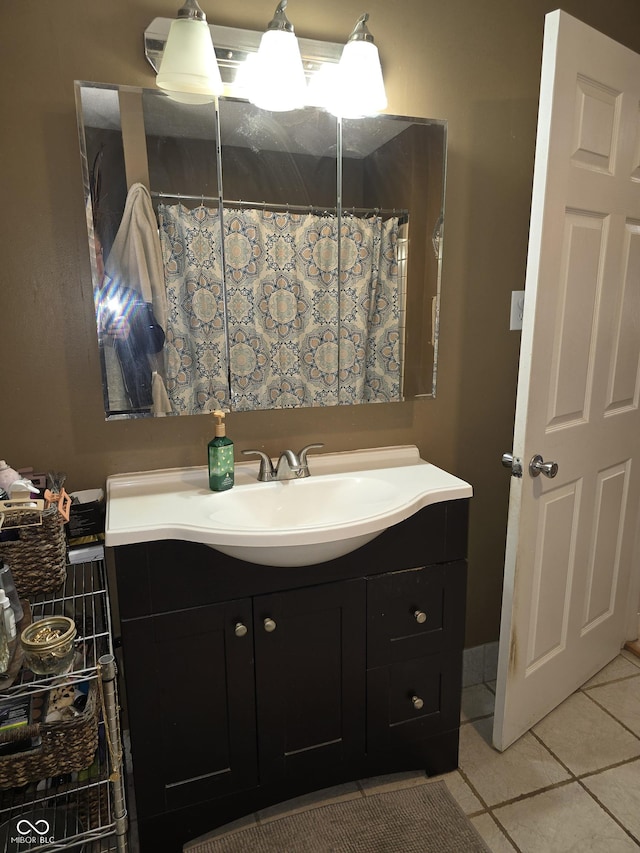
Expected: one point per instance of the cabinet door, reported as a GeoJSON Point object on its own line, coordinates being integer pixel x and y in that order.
{"type": "Point", "coordinates": [310, 679]}
{"type": "Point", "coordinates": [191, 704]}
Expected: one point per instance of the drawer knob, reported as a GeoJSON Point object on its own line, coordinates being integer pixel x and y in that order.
{"type": "Point", "coordinates": [420, 616]}
{"type": "Point", "coordinates": [417, 703]}
{"type": "Point", "coordinates": [240, 630]}
{"type": "Point", "coordinates": [269, 625]}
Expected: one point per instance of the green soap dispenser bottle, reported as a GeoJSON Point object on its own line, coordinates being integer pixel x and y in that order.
{"type": "Point", "coordinates": [220, 457]}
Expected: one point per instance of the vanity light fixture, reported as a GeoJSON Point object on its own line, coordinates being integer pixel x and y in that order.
{"type": "Point", "coordinates": [359, 89]}
{"type": "Point", "coordinates": [276, 76]}
{"type": "Point", "coordinates": [266, 68]}
{"type": "Point", "coordinates": [189, 70]}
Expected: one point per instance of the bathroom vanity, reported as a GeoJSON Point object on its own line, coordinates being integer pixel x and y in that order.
{"type": "Point", "coordinates": [249, 684]}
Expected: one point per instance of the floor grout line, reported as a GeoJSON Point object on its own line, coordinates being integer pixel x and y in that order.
{"type": "Point", "coordinates": [586, 689]}
{"type": "Point", "coordinates": [607, 811]}
{"type": "Point", "coordinates": [506, 833]}
{"type": "Point", "coordinates": [587, 693]}
{"type": "Point", "coordinates": [614, 766]}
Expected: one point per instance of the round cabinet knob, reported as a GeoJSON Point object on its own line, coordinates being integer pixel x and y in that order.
{"type": "Point", "coordinates": [420, 616]}
{"type": "Point", "coordinates": [269, 625]}
{"type": "Point", "coordinates": [240, 630]}
{"type": "Point", "coordinates": [417, 702]}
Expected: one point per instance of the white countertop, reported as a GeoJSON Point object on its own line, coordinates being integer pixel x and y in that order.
{"type": "Point", "coordinates": [348, 494]}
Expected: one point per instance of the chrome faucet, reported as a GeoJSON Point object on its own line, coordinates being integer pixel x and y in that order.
{"type": "Point", "coordinates": [290, 465]}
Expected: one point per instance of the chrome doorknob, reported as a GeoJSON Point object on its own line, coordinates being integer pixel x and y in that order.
{"type": "Point", "coordinates": [240, 630]}
{"type": "Point", "coordinates": [538, 466]}
{"type": "Point", "coordinates": [420, 616]}
{"type": "Point", "coordinates": [417, 702]}
{"type": "Point", "coordinates": [269, 625]}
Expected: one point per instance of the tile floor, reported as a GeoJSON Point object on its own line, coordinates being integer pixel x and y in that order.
{"type": "Point", "coordinates": [570, 784]}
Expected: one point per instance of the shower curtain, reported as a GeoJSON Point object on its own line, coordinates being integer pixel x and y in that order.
{"type": "Point", "coordinates": [303, 329]}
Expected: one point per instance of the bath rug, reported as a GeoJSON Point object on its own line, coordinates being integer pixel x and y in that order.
{"type": "Point", "coordinates": [420, 819]}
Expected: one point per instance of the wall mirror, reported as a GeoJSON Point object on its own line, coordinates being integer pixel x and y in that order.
{"type": "Point", "coordinates": [245, 260]}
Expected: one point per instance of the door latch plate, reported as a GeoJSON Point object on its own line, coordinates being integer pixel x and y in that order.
{"type": "Point", "coordinates": [513, 462]}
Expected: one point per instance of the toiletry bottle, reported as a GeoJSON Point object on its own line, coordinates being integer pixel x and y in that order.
{"type": "Point", "coordinates": [7, 616]}
{"type": "Point", "coordinates": [7, 476]}
{"type": "Point", "coordinates": [220, 457]}
{"type": "Point", "coordinates": [7, 584]}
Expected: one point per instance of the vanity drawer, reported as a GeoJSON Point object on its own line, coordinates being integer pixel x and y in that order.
{"type": "Point", "coordinates": [414, 613]}
{"type": "Point", "coordinates": [411, 701]}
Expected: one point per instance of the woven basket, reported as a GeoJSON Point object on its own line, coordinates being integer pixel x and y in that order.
{"type": "Point", "coordinates": [67, 746]}
{"type": "Point", "coordinates": [38, 559]}
{"type": "Point", "coordinates": [94, 807]}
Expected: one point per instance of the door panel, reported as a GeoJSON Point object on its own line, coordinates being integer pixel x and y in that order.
{"type": "Point", "coordinates": [625, 358]}
{"type": "Point", "coordinates": [571, 540]}
{"type": "Point", "coordinates": [312, 637]}
{"type": "Point", "coordinates": [310, 679]}
{"type": "Point", "coordinates": [194, 726]}
{"type": "Point", "coordinates": [604, 556]}
{"type": "Point", "coordinates": [576, 311]}
{"type": "Point", "coordinates": [597, 124]}
{"type": "Point", "coordinates": [553, 572]}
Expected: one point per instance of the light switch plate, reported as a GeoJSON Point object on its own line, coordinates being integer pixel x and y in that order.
{"type": "Point", "coordinates": [517, 309]}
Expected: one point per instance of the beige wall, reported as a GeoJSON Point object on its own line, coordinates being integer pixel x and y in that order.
{"type": "Point", "coordinates": [476, 64]}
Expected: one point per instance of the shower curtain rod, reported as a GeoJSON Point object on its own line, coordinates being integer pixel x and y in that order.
{"type": "Point", "coordinates": [297, 208]}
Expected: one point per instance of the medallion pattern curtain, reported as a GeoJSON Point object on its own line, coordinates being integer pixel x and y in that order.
{"type": "Point", "coordinates": [303, 329]}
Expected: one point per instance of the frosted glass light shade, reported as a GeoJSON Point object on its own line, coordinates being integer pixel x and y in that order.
{"type": "Point", "coordinates": [189, 63]}
{"type": "Point", "coordinates": [277, 76]}
{"type": "Point", "coordinates": [360, 86]}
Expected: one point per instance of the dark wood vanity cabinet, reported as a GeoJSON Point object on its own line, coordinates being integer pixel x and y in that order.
{"type": "Point", "coordinates": [248, 685]}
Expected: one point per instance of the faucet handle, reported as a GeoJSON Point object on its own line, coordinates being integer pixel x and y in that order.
{"type": "Point", "coordinates": [303, 453]}
{"type": "Point", "coordinates": [267, 471]}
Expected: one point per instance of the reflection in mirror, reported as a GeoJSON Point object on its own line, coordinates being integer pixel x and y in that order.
{"type": "Point", "coordinates": [395, 166]}
{"type": "Point", "coordinates": [274, 275]}
{"type": "Point", "coordinates": [279, 177]}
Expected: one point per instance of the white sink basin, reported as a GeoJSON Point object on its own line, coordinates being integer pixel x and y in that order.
{"type": "Point", "coordinates": [349, 499]}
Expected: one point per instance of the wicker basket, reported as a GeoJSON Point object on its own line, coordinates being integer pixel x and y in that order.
{"type": "Point", "coordinates": [94, 806]}
{"type": "Point", "coordinates": [67, 746]}
{"type": "Point", "coordinates": [38, 558]}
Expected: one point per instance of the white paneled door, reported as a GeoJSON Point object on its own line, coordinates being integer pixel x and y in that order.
{"type": "Point", "coordinates": [571, 569]}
